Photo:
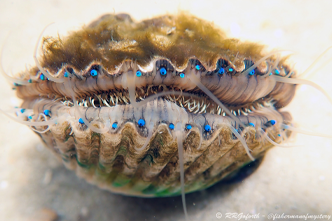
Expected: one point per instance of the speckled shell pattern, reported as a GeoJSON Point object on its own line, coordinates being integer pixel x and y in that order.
{"type": "Point", "coordinates": [143, 160]}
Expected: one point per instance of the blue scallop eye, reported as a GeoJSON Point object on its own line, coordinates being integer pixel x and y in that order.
{"type": "Point", "coordinates": [141, 122]}
{"type": "Point", "coordinates": [221, 71]}
{"type": "Point", "coordinates": [270, 74]}
{"type": "Point", "coordinates": [188, 127]}
{"type": "Point", "coordinates": [171, 126]}
{"type": "Point", "coordinates": [207, 128]}
{"type": "Point", "coordinates": [93, 73]}
{"type": "Point", "coordinates": [230, 69]}
{"type": "Point", "coordinates": [66, 74]}
{"type": "Point", "coordinates": [30, 81]}
{"type": "Point", "coordinates": [252, 72]}
{"type": "Point", "coordinates": [279, 135]}
{"type": "Point", "coordinates": [252, 124]}
{"type": "Point", "coordinates": [80, 121]}
{"type": "Point", "coordinates": [22, 110]}
{"type": "Point", "coordinates": [47, 112]}
{"type": "Point", "coordinates": [198, 67]}
{"type": "Point", "coordinates": [163, 71]}
{"type": "Point", "coordinates": [30, 117]}
{"type": "Point", "coordinates": [273, 122]}
{"type": "Point", "coordinates": [277, 71]}
{"type": "Point", "coordinates": [182, 75]}
{"type": "Point", "coordinates": [138, 73]}
{"type": "Point", "coordinates": [114, 125]}
{"type": "Point", "coordinates": [42, 77]}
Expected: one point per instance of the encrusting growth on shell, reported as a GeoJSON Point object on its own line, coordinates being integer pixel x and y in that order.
{"type": "Point", "coordinates": [113, 39]}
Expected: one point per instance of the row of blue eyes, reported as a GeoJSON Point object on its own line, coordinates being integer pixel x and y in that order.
{"type": "Point", "coordinates": [162, 71]}
{"type": "Point", "coordinates": [141, 122]}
